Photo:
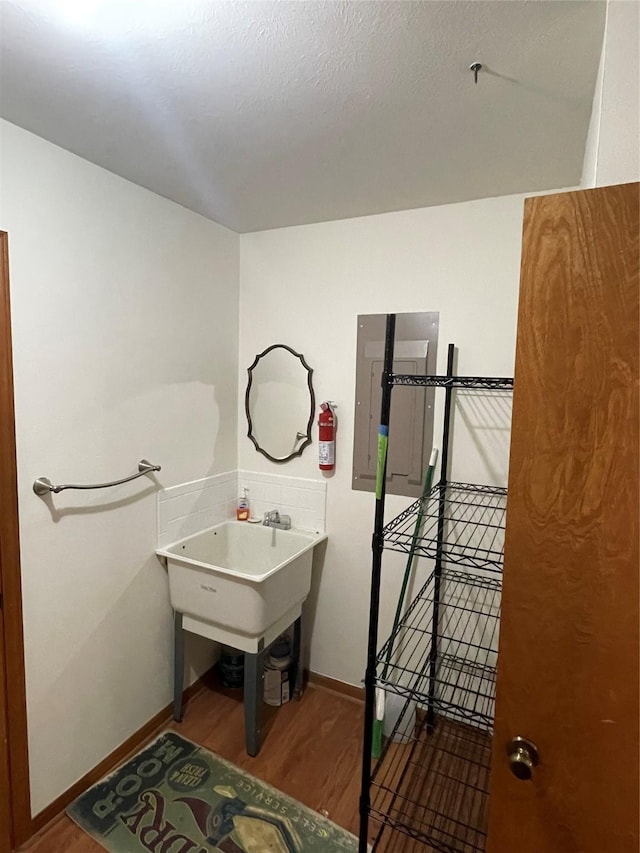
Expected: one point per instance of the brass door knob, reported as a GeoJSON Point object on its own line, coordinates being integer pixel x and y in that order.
{"type": "Point", "coordinates": [523, 757]}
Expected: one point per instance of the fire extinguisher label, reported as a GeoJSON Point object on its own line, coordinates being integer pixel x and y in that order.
{"type": "Point", "coordinates": [326, 452]}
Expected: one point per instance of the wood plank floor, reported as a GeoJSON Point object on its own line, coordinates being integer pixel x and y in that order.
{"type": "Point", "coordinates": [311, 751]}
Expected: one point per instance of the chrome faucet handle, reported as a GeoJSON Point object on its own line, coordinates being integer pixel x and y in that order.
{"type": "Point", "coordinates": [274, 519]}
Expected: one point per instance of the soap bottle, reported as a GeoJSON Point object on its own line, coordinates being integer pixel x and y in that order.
{"type": "Point", "coordinates": [242, 512]}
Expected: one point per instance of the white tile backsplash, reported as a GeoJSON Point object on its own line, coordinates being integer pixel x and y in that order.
{"type": "Point", "coordinates": [190, 507]}
{"type": "Point", "coordinates": [187, 508]}
{"type": "Point", "coordinates": [303, 499]}
{"type": "Point", "coordinates": [200, 485]}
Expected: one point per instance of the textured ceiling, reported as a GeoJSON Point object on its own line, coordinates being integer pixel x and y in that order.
{"type": "Point", "coordinates": [264, 114]}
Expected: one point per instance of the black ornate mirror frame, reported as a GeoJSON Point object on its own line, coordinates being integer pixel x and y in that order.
{"type": "Point", "coordinates": [307, 437]}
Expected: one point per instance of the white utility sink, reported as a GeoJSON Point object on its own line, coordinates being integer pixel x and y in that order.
{"type": "Point", "coordinates": [240, 583]}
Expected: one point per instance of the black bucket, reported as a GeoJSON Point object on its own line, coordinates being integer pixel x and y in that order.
{"type": "Point", "coordinates": [232, 667]}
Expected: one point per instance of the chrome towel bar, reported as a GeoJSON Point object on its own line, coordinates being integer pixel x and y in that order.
{"type": "Point", "coordinates": [43, 485]}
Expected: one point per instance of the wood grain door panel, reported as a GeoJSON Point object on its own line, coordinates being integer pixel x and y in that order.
{"type": "Point", "coordinates": [568, 664]}
{"type": "Point", "coordinates": [5, 816]}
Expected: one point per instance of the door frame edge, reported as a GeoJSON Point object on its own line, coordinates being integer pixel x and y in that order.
{"type": "Point", "coordinates": [16, 706]}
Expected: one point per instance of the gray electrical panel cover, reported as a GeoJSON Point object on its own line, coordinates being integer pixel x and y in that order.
{"type": "Point", "coordinates": [411, 419]}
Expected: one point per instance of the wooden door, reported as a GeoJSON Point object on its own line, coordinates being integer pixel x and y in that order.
{"type": "Point", "coordinates": [5, 791]}
{"type": "Point", "coordinates": [568, 663]}
{"type": "Point", "coordinates": [5, 816]}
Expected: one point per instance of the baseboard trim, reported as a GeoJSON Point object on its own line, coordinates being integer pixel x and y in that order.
{"type": "Point", "coordinates": [351, 690]}
{"type": "Point", "coordinates": [120, 754]}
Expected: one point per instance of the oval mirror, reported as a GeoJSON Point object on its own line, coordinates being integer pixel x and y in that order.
{"type": "Point", "coordinates": [279, 403]}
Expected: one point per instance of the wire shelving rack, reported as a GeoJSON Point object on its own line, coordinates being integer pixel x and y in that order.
{"type": "Point", "coordinates": [429, 790]}
{"type": "Point", "coordinates": [474, 525]}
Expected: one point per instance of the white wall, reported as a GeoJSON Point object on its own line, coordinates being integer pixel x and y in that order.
{"type": "Point", "coordinates": [612, 153]}
{"type": "Point", "coordinates": [125, 331]}
{"type": "Point", "coordinates": [305, 286]}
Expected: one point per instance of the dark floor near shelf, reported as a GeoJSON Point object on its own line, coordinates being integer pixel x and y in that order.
{"type": "Point", "coordinates": [435, 790]}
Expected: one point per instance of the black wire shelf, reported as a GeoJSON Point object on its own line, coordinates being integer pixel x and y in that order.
{"type": "Point", "coordinates": [473, 529]}
{"type": "Point", "coordinates": [430, 788]}
{"type": "Point", "coordinates": [490, 383]}
{"type": "Point", "coordinates": [456, 679]}
{"type": "Point", "coordinates": [434, 789]}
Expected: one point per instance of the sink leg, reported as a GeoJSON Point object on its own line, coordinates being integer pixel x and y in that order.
{"type": "Point", "coordinates": [298, 687]}
{"type": "Point", "coordinates": [253, 698]}
{"type": "Point", "coordinates": [178, 666]}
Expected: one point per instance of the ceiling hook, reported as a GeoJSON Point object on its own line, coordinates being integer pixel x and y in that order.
{"type": "Point", "coordinates": [475, 67]}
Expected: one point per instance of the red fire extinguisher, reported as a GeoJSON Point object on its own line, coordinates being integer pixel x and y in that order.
{"type": "Point", "coordinates": [326, 437]}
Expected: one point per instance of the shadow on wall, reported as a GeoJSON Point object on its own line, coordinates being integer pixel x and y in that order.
{"type": "Point", "coordinates": [310, 607]}
{"type": "Point", "coordinates": [225, 444]}
{"type": "Point", "coordinates": [58, 513]}
{"type": "Point", "coordinates": [485, 417]}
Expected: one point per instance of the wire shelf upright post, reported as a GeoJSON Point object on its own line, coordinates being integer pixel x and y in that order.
{"type": "Point", "coordinates": [444, 472]}
{"type": "Point", "coordinates": [377, 547]}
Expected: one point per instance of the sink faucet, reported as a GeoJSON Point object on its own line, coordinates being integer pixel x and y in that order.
{"type": "Point", "coordinates": [274, 519]}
